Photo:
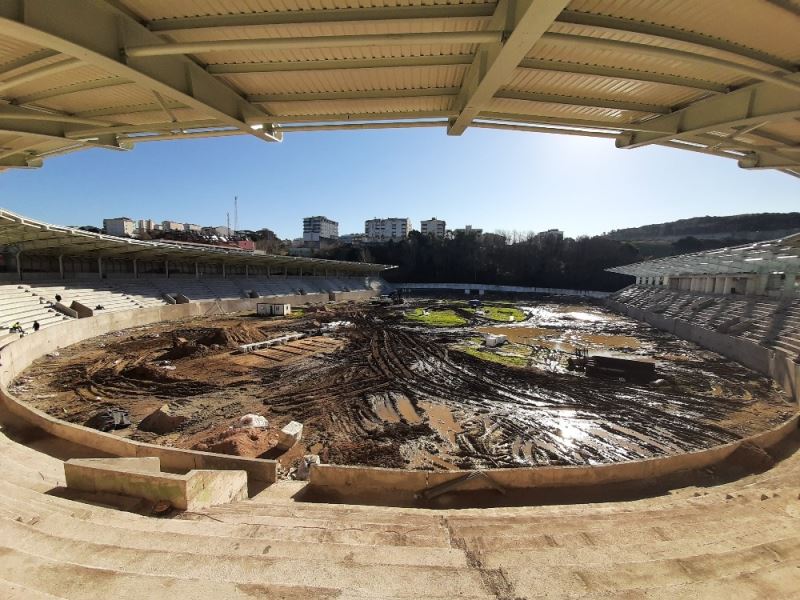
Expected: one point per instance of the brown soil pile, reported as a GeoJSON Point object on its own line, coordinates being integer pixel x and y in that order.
{"type": "Point", "coordinates": [249, 442]}
{"type": "Point", "coordinates": [367, 452]}
{"type": "Point", "coordinates": [231, 337]}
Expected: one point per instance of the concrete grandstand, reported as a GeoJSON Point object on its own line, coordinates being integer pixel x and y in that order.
{"type": "Point", "coordinates": [82, 512]}
{"type": "Point", "coordinates": [715, 524]}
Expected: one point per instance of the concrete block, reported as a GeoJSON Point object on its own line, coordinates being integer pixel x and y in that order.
{"type": "Point", "coordinates": [142, 478]}
{"type": "Point", "coordinates": [290, 435]}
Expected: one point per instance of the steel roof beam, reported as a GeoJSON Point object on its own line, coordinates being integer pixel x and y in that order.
{"type": "Point", "coordinates": [670, 33]}
{"type": "Point", "coordinates": [39, 73]}
{"type": "Point", "coordinates": [328, 16]}
{"type": "Point", "coordinates": [337, 64]}
{"type": "Point", "coordinates": [622, 73]}
{"type": "Point", "coordinates": [85, 86]}
{"type": "Point", "coordinates": [376, 116]}
{"type": "Point", "coordinates": [594, 43]}
{"type": "Point", "coordinates": [763, 160]}
{"type": "Point", "coordinates": [93, 32]}
{"type": "Point", "coordinates": [352, 95]}
{"type": "Point", "coordinates": [570, 121]}
{"type": "Point", "coordinates": [523, 23]}
{"type": "Point", "coordinates": [145, 128]}
{"type": "Point", "coordinates": [52, 127]}
{"type": "Point", "coordinates": [578, 101]}
{"type": "Point", "coordinates": [327, 41]}
{"type": "Point", "coordinates": [21, 160]}
{"type": "Point", "coordinates": [762, 102]}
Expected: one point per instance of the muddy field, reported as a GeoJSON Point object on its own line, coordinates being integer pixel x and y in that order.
{"type": "Point", "coordinates": [373, 387]}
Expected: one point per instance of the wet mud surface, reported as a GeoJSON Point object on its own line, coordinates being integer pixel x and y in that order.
{"type": "Point", "coordinates": [373, 388]}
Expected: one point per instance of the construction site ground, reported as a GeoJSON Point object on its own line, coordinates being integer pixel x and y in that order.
{"type": "Point", "coordinates": [380, 386]}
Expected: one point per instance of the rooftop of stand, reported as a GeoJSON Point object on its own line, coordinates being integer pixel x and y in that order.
{"type": "Point", "coordinates": [772, 256]}
{"type": "Point", "coordinates": [28, 235]}
{"type": "Point", "coordinates": [678, 73]}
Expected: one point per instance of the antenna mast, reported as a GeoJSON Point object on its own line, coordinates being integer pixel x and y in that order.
{"type": "Point", "coordinates": [236, 213]}
{"type": "Point", "coordinates": [228, 226]}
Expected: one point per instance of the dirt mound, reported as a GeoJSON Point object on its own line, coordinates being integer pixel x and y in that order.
{"type": "Point", "coordinates": [369, 453]}
{"type": "Point", "coordinates": [162, 421]}
{"type": "Point", "coordinates": [250, 442]}
{"type": "Point", "coordinates": [750, 457]}
{"type": "Point", "coordinates": [148, 373]}
{"type": "Point", "coordinates": [231, 337]}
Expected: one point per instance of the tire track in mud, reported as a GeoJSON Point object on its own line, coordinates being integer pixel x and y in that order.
{"type": "Point", "coordinates": [503, 416]}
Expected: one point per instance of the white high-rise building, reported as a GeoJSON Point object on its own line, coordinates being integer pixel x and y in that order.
{"type": "Point", "coordinates": [119, 226]}
{"type": "Point", "coordinates": [384, 230]}
{"type": "Point", "coordinates": [435, 227]}
{"type": "Point", "coordinates": [319, 228]}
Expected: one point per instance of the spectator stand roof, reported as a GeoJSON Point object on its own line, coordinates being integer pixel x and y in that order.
{"type": "Point", "coordinates": [714, 77]}
{"type": "Point", "coordinates": [21, 234]}
{"type": "Point", "coordinates": [773, 256]}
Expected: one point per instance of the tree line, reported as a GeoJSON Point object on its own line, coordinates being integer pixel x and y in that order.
{"type": "Point", "coordinates": [546, 262]}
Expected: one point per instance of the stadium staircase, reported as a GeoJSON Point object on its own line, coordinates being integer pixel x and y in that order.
{"type": "Point", "coordinates": [739, 539]}
{"type": "Point", "coordinates": [770, 322]}
{"type": "Point", "coordinates": [19, 304]}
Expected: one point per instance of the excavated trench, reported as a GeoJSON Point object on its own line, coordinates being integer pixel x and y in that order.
{"type": "Point", "coordinates": [386, 391]}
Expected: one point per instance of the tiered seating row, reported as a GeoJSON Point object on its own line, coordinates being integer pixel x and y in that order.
{"type": "Point", "coordinates": [19, 305]}
{"type": "Point", "coordinates": [770, 322]}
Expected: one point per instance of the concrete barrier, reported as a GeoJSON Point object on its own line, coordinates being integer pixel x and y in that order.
{"type": "Point", "coordinates": [142, 478]}
{"type": "Point", "coordinates": [19, 354]}
{"type": "Point", "coordinates": [352, 482]}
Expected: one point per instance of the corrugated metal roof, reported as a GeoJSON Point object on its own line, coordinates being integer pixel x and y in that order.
{"type": "Point", "coordinates": [157, 9]}
{"type": "Point", "coordinates": [628, 63]}
{"type": "Point", "coordinates": [749, 23]}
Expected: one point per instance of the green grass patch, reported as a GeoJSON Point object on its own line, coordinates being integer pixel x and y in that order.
{"type": "Point", "coordinates": [502, 359]}
{"type": "Point", "coordinates": [503, 313]}
{"type": "Point", "coordinates": [436, 318]}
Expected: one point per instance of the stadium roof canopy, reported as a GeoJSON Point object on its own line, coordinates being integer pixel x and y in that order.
{"type": "Point", "coordinates": [773, 256]}
{"type": "Point", "coordinates": [710, 76]}
{"type": "Point", "coordinates": [35, 237]}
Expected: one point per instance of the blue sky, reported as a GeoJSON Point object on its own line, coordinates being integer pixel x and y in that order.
{"type": "Point", "coordinates": [489, 179]}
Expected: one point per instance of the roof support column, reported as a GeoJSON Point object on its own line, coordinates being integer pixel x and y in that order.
{"type": "Point", "coordinates": [166, 267]}
{"type": "Point", "coordinates": [223, 270]}
{"type": "Point", "coordinates": [196, 270]}
{"type": "Point", "coordinates": [135, 268]}
{"type": "Point", "coordinates": [18, 258]}
{"type": "Point", "coordinates": [246, 271]}
{"type": "Point", "coordinates": [61, 266]}
{"type": "Point", "coordinates": [100, 267]}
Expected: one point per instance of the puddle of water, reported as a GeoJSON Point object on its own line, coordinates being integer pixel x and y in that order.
{"type": "Point", "coordinates": [563, 340]}
{"type": "Point", "coordinates": [440, 418]}
{"type": "Point", "coordinates": [422, 458]}
{"type": "Point", "coordinates": [405, 408]}
{"type": "Point", "coordinates": [383, 407]}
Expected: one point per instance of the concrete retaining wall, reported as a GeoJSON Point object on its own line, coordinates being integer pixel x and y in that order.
{"type": "Point", "coordinates": [18, 355]}
{"type": "Point", "coordinates": [509, 289]}
{"type": "Point", "coordinates": [352, 482]}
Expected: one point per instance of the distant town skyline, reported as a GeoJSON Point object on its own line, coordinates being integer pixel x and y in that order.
{"type": "Point", "coordinates": [492, 180]}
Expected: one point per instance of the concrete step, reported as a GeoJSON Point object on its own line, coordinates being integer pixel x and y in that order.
{"type": "Point", "coordinates": [399, 581]}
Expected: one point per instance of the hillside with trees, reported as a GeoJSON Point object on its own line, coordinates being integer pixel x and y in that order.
{"type": "Point", "coordinates": [740, 227]}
